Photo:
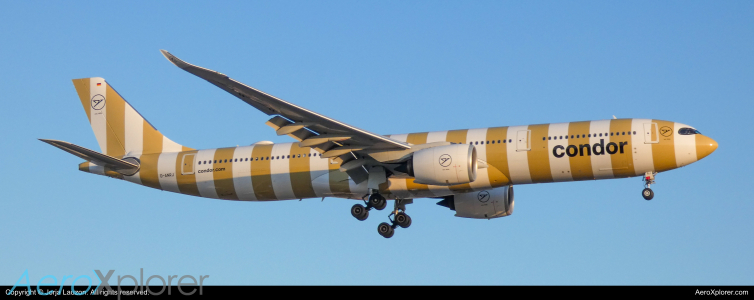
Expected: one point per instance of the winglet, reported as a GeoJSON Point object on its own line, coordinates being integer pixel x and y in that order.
{"type": "Point", "coordinates": [186, 66]}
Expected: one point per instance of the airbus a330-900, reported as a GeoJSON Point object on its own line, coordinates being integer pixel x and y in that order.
{"type": "Point", "coordinates": [473, 171]}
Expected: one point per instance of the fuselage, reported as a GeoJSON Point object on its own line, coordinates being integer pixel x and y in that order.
{"type": "Point", "coordinates": [557, 152]}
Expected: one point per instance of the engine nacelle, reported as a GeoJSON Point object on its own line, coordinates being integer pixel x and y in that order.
{"type": "Point", "coordinates": [487, 204]}
{"type": "Point", "coordinates": [444, 165]}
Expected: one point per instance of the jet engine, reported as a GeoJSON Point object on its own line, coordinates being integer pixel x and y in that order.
{"type": "Point", "coordinates": [487, 204]}
{"type": "Point", "coordinates": [444, 165]}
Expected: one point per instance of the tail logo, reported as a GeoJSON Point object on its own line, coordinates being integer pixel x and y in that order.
{"type": "Point", "coordinates": [98, 102]}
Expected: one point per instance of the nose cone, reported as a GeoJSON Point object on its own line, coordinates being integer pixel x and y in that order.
{"type": "Point", "coordinates": [704, 146]}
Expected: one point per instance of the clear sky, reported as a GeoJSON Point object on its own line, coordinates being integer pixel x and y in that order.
{"type": "Point", "coordinates": [387, 67]}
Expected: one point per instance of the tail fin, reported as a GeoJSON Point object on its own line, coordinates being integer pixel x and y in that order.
{"type": "Point", "coordinates": [119, 128]}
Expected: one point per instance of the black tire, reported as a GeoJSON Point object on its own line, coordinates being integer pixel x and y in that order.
{"type": "Point", "coordinates": [359, 212]}
{"type": "Point", "coordinates": [648, 194]}
{"type": "Point", "coordinates": [402, 220]}
{"type": "Point", "coordinates": [377, 201]}
{"type": "Point", "coordinates": [385, 230]}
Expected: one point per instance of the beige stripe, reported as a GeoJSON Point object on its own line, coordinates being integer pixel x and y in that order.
{"type": "Point", "coordinates": [497, 155]}
{"type": "Point", "coordinates": [622, 162]}
{"type": "Point", "coordinates": [82, 89]}
{"type": "Point", "coordinates": [663, 153]}
{"type": "Point", "coordinates": [602, 167]}
{"type": "Point", "coordinates": [153, 140]}
{"type": "Point", "coordinates": [539, 156]}
{"type": "Point", "coordinates": [417, 138]}
{"type": "Point", "coordinates": [148, 170]}
{"type": "Point", "coordinates": [581, 164]}
{"type": "Point", "coordinates": [300, 174]}
{"type": "Point", "coordinates": [223, 174]}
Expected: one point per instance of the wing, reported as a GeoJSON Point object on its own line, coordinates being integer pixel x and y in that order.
{"type": "Point", "coordinates": [331, 137]}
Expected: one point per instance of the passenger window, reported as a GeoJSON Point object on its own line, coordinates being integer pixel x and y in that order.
{"type": "Point", "coordinates": [488, 142]}
{"type": "Point", "coordinates": [549, 138]}
{"type": "Point", "coordinates": [510, 140]}
{"type": "Point", "coordinates": [498, 141]}
{"type": "Point", "coordinates": [634, 132]}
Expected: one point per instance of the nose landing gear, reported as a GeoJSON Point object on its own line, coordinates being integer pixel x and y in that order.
{"type": "Point", "coordinates": [649, 179]}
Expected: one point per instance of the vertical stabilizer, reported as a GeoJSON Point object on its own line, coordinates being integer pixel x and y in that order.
{"type": "Point", "coordinates": [120, 130]}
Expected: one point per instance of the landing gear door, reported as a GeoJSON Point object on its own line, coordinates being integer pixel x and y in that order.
{"type": "Point", "coordinates": [651, 133]}
{"type": "Point", "coordinates": [523, 140]}
{"type": "Point", "coordinates": [187, 164]}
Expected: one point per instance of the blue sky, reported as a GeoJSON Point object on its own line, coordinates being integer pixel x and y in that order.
{"type": "Point", "coordinates": [388, 67]}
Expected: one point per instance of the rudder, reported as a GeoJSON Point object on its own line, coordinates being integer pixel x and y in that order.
{"type": "Point", "coordinates": [120, 130]}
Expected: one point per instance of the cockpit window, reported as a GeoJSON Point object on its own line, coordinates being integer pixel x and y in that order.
{"type": "Point", "coordinates": [688, 131]}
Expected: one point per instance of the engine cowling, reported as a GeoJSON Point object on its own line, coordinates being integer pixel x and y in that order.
{"type": "Point", "coordinates": [487, 204]}
{"type": "Point", "coordinates": [444, 165]}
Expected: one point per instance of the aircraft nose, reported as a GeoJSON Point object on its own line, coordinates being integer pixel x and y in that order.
{"type": "Point", "coordinates": [704, 146]}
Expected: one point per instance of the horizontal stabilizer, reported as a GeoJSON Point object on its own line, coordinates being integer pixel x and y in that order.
{"type": "Point", "coordinates": [94, 156]}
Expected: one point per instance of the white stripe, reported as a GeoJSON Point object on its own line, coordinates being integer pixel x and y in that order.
{"type": "Point", "coordinates": [99, 116]}
{"type": "Point", "coordinates": [167, 173]}
{"type": "Point", "coordinates": [437, 136]}
{"type": "Point", "coordinates": [95, 169]}
{"type": "Point", "coordinates": [479, 135]}
{"type": "Point", "coordinates": [320, 174]}
{"type": "Point", "coordinates": [357, 190]}
{"type": "Point", "coordinates": [170, 146]}
{"type": "Point", "coordinates": [242, 173]}
{"type": "Point", "coordinates": [279, 170]}
{"type": "Point", "coordinates": [685, 146]}
{"type": "Point", "coordinates": [134, 131]}
{"type": "Point", "coordinates": [642, 153]}
{"type": "Point", "coordinates": [602, 165]}
{"type": "Point", "coordinates": [560, 167]}
{"type": "Point", "coordinates": [518, 162]}
{"type": "Point", "coordinates": [399, 137]}
{"type": "Point", "coordinates": [205, 180]}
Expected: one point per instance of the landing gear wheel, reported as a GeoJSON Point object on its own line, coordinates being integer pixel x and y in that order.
{"type": "Point", "coordinates": [402, 220]}
{"type": "Point", "coordinates": [385, 230]}
{"type": "Point", "coordinates": [377, 201]}
{"type": "Point", "coordinates": [648, 194]}
{"type": "Point", "coordinates": [359, 212]}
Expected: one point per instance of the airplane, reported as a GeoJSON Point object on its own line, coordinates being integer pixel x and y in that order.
{"type": "Point", "coordinates": [472, 171]}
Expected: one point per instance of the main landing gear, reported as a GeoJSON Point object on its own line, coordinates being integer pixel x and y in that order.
{"type": "Point", "coordinates": [398, 217]}
{"type": "Point", "coordinates": [376, 201]}
{"type": "Point", "coordinates": [649, 179]}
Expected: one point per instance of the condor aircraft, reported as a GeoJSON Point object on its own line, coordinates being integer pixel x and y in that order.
{"type": "Point", "coordinates": [473, 171]}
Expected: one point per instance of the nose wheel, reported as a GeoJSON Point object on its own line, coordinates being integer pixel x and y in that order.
{"type": "Point", "coordinates": [649, 179]}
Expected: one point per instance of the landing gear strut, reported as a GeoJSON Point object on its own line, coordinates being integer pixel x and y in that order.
{"type": "Point", "coordinates": [399, 218]}
{"type": "Point", "coordinates": [649, 179]}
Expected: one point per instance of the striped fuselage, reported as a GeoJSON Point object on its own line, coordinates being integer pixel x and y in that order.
{"type": "Point", "coordinates": [557, 152]}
